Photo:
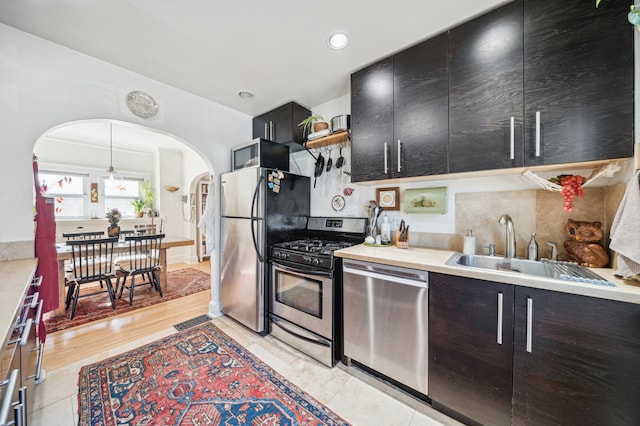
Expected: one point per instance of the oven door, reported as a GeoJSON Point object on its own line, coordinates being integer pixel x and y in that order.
{"type": "Point", "coordinates": [303, 298]}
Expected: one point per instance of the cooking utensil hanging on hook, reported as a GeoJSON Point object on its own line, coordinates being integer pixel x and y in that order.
{"type": "Point", "coordinates": [319, 168]}
{"type": "Point", "coordinates": [340, 160]}
{"type": "Point", "coordinates": [329, 161]}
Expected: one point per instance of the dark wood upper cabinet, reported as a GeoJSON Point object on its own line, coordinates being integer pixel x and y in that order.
{"type": "Point", "coordinates": [420, 107]}
{"type": "Point", "coordinates": [471, 348]}
{"type": "Point", "coordinates": [582, 365]}
{"type": "Point", "coordinates": [578, 76]}
{"type": "Point", "coordinates": [281, 125]}
{"type": "Point", "coordinates": [534, 82]}
{"type": "Point", "coordinates": [371, 121]}
{"type": "Point", "coordinates": [486, 91]}
{"type": "Point", "coordinates": [399, 114]}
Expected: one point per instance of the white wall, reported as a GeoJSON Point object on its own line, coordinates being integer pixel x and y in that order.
{"type": "Point", "coordinates": [43, 84]}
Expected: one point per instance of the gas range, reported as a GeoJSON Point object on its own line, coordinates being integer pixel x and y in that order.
{"type": "Point", "coordinates": [323, 236]}
{"type": "Point", "coordinates": [305, 286]}
{"type": "Point", "coordinates": [314, 252]}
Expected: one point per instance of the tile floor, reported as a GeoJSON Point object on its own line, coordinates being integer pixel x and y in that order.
{"type": "Point", "coordinates": [356, 396]}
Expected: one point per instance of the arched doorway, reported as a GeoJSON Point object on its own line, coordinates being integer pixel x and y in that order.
{"type": "Point", "coordinates": [89, 148]}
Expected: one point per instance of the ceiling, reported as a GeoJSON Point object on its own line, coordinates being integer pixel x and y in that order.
{"type": "Point", "coordinates": [274, 49]}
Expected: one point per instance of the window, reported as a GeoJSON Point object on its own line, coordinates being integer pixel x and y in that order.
{"type": "Point", "coordinates": [119, 193]}
{"type": "Point", "coordinates": [68, 192]}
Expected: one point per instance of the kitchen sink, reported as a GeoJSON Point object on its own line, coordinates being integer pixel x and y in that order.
{"type": "Point", "coordinates": [543, 268]}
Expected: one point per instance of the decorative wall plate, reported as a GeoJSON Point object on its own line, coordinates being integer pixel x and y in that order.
{"type": "Point", "coordinates": [338, 203]}
{"type": "Point", "coordinates": [142, 104]}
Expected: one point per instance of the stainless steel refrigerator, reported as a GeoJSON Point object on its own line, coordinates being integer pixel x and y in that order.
{"type": "Point", "coordinates": [259, 207]}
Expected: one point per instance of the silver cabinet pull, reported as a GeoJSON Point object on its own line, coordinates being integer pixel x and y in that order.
{"type": "Point", "coordinates": [399, 153]}
{"type": "Point", "coordinates": [272, 131]}
{"type": "Point", "coordinates": [537, 133]}
{"type": "Point", "coordinates": [7, 402]}
{"type": "Point", "coordinates": [529, 323]}
{"type": "Point", "coordinates": [512, 139]}
{"type": "Point", "coordinates": [266, 130]}
{"type": "Point", "coordinates": [25, 332]}
{"type": "Point", "coordinates": [499, 336]}
{"type": "Point", "coordinates": [386, 166]}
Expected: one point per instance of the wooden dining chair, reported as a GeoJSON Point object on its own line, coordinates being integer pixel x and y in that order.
{"type": "Point", "coordinates": [143, 260]}
{"type": "Point", "coordinates": [71, 236]}
{"type": "Point", "coordinates": [91, 261]}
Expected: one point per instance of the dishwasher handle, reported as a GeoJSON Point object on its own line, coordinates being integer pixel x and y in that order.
{"type": "Point", "coordinates": [392, 275]}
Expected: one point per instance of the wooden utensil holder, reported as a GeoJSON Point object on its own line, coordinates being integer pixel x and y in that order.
{"type": "Point", "coordinates": [402, 244]}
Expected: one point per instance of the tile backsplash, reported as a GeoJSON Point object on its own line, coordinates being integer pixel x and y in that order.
{"type": "Point", "coordinates": [538, 211]}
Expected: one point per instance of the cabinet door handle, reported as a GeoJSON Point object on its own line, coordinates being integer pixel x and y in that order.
{"type": "Point", "coordinates": [529, 323]}
{"type": "Point", "coordinates": [499, 336]}
{"type": "Point", "coordinates": [266, 130]}
{"type": "Point", "coordinates": [537, 133]}
{"type": "Point", "coordinates": [512, 139]}
{"type": "Point", "coordinates": [272, 131]}
{"type": "Point", "coordinates": [386, 165]}
{"type": "Point", "coordinates": [399, 153]}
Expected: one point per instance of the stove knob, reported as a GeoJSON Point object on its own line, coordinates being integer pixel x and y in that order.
{"type": "Point", "coordinates": [307, 259]}
{"type": "Point", "coordinates": [315, 262]}
{"type": "Point", "coordinates": [277, 254]}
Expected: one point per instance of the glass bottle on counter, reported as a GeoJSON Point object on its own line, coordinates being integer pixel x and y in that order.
{"type": "Point", "coordinates": [533, 248]}
{"type": "Point", "coordinates": [385, 231]}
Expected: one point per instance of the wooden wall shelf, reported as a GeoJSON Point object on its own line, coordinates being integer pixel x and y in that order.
{"type": "Point", "coordinates": [333, 139]}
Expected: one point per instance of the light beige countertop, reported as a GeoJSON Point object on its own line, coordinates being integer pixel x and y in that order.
{"type": "Point", "coordinates": [435, 261]}
{"type": "Point", "coordinates": [15, 279]}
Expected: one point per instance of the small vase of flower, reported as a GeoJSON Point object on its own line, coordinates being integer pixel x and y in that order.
{"type": "Point", "coordinates": [113, 216]}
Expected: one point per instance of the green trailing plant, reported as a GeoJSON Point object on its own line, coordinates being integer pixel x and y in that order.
{"type": "Point", "coordinates": [307, 123]}
{"type": "Point", "coordinates": [148, 195]}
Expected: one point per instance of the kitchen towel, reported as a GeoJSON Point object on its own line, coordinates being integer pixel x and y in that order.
{"type": "Point", "coordinates": [625, 231]}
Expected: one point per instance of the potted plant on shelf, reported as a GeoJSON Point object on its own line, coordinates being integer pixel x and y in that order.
{"type": "Point", "coordinates": [113, 216]}
{"type": "Point", "coordinates": [138, 205]}
{"type": "Point", "coordinates": [314, 122]}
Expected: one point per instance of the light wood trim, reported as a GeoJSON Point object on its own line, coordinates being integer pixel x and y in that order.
{"type": "Point", "coordinates": [333, 139]}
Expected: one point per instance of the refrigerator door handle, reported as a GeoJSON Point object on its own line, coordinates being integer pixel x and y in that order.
{"type": "Point", "coordinates": [254, 219]}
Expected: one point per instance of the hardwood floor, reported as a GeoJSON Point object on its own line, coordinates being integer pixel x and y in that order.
{"type": "Point", "coordinates": [352, 394]}
{"type": "Point", "coordinates": [77, 343]}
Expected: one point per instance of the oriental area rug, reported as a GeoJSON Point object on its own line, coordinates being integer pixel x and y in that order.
{"type": "Point", "coordinates": [182, 282]}
{"type": "Point", "coordinates": [199, 376]}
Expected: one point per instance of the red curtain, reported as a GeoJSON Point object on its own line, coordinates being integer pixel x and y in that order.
{"type": "Point", "coordinates": [45, 251]}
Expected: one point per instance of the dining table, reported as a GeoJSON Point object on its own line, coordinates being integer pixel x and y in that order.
{"type": "Point", "coordinates": [64, 254]}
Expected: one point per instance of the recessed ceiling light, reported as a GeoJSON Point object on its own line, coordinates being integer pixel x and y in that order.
{"type": "Point", "coordinates": [338, 41]}
{"type": "Point", "coordinates": [246, 95]}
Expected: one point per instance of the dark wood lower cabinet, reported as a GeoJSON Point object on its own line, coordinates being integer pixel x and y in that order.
{"type": "Point", "coordinates": [565, 359]}
{"type": "Point", "coordinates": [583, 367]}
{"type": "Point", "coordinates": [471, 347]}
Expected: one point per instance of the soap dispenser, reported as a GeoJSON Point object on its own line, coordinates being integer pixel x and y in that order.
{"type": "Point", "coordinates": [469, 246]}
{"type": "Point", "coordinates": [533, 248]}
{"type": "Point", "coordinates": [385, 230]}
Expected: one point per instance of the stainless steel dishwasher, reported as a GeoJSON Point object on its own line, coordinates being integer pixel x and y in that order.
{"type": "Point", "coordinates": [386, 321]}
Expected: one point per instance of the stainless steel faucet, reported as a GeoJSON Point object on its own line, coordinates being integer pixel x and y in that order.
{"type": "Point", "coordinates": [510, 240]}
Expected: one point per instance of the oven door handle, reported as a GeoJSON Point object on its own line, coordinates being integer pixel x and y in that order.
{"type": "Point", "coordinates": [317, 341]}
{"type": "Point", "coordinates": [302, 271]}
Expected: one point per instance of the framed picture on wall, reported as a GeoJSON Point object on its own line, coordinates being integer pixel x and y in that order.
{"type": "Point", "coordinates": [389, 198]}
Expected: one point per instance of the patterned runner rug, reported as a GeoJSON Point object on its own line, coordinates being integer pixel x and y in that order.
{"type": "Point", "coordinates": [199, 376]}
{"type": "Point", "coordinates": [180, 283]}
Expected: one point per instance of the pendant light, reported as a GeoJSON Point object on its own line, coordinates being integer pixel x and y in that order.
{"type": "Point", "coordinates": [111, 171]}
